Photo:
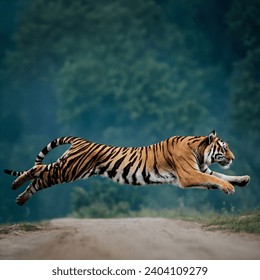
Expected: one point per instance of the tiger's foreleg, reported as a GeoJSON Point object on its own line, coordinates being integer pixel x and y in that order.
{"type": "Point", "coordinates": [202, 180]}
{"type": "Point", "coordinates": [240, 181]}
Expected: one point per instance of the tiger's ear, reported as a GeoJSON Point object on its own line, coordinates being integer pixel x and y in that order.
{"type": "Point", "coordinates": [212, 136]}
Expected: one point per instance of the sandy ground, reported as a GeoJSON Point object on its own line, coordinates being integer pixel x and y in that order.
{"type": "Point", "coordinates": [137, 238]}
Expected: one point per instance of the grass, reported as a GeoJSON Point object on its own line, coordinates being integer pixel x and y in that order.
{"type": "Point", "coordinates": [248, 222]}
{"type": "Point", "coordinates": [25, 227]}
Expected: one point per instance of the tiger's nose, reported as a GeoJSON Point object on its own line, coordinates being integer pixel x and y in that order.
{"type": "Point", "coordinates": [231, 155]}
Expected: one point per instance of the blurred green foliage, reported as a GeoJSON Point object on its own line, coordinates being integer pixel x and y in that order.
{"type": "Point", "coordinates": [103, 200]}
{"type": "Point", "coordinates": [247, 222]}
{"type": "Point", "coordinates": [127, 73]}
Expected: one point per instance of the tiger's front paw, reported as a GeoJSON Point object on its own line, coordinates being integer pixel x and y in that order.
{"type": "Point", "coordinates": [244, 180]}
{"type": "Point", "coordinates": [228, 189]}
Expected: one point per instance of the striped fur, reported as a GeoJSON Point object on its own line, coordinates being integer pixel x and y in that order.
{"type": "Point", "coordinates": [179, 160]}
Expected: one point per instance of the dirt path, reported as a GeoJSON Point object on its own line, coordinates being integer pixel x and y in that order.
{"type": "Point", "coordinates": [138, 238]}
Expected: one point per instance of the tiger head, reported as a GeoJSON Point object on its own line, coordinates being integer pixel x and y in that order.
{"type": "Point", "coordinates": [217, 151]}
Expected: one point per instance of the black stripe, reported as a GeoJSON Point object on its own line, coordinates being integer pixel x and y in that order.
{"type": "Point", "coordinates": [50, 174]}
{"type": "Point", "coordinates": [146, 176]}
{"type": "Point", "coordinates": [39, 159]}
{"type": "Point", "coordinates": [55, 175]}
{"type": "Point", "coordinates": [203, 142]}
{"type": "Point", "coordinates": [212, 156]}
{"type": "Point", "coordinates": [133, 154]}
{"type": "Point", "coordinates": [111, 154]}
{"type": "Point", "coordinates": [102, 168]}
{"type": "Point", "coordinates": [195, 137]}
{"type": "Point", "coordinates": [92, 163]}
{"type": "Point", "coordinates": [113, 171]}
{"type": "Point", "coordinates": [101, 154]}
{"type": "Point", "coordinates": [126, 172]}
{"type": "Point", "coordinates": [134, 179]}
{"type": "Point", "coordinates": [194, 141]}
{"type": "Point", "coordinates": [45, 150]}
{"type": "Point", "coordinates": [87, 166]}
{"type": "Point", "coordinates": [7, 171]}
{"type": "Point", "coordinates": [214, 149]}
{"type": "Point", "coordinates": [70, 169]}
{"type": "Point", "coordinates": [204, 171]}
{"type": "Point", "coordinates": [155, 150]}
{"type": "Point", "coordinates": [169, 161]}
{"type": "Point", "coordinates": [10, 172]}
{"type": "Point", "coordinates": [53, 144]}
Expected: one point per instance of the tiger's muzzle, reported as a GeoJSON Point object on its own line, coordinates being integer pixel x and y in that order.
{"type": "Point", "coordinates": [225, 164]}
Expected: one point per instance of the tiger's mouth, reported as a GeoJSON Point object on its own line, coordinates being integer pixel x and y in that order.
{"type": "Point", "coordinates": [225, 164]}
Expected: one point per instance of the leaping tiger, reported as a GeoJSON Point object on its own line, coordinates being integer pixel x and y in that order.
{"type": "Point", "coordinates": [179, 160]}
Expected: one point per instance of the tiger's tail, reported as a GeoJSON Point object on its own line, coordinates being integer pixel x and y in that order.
{"type": "Point", "coordinates": [52, 145]}
{"type": "Point", "coordinates": [39, 158]}
{"type": "Point", "coordinates": [13, 173]}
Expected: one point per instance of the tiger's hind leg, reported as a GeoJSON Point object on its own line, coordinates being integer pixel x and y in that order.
{"type": "Point", "coordinates": [41, 176]}
{"type": "Point", "coordinates": [28, 175]}
{"type": "Point", "coordinates": [35, 185]}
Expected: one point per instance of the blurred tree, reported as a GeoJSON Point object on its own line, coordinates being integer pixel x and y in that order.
{"type": "Point", "coordinates": [104, 199]}
{"type": "Point", "coordinates": [245, 83]}
{"type": "Point", "coordinates": [244, 24]}
{"type": "Point", "coordinates": [139, 75]}
{"type": "Point", "coordinates": [116, 55]}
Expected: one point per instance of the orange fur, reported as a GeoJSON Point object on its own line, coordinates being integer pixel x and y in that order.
{"type": "Point", "coordinates": [179, 160]}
